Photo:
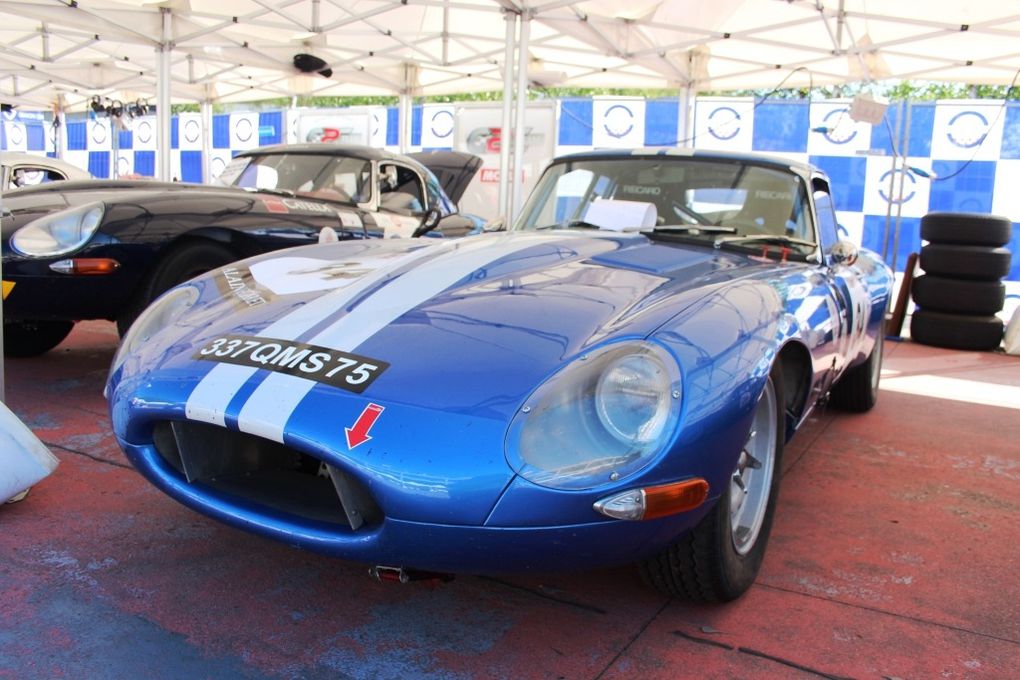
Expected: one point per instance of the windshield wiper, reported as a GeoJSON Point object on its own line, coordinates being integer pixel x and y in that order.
{"type": "Point", "coordinates": [763, 238]}
{"type": "Point", "coordinates": [275, 192]}
{"type": "Point", "coordinates": [570, 224]}
{"type": "Point", "coordinates": [695, 229]}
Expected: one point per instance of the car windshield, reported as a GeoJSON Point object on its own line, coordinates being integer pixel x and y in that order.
{"type": "Point", "coordinates": [720, 200]}
{"type": "Point", "coordinates": [334, 178]}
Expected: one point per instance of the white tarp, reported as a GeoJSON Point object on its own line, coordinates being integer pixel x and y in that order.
{"type": "Point", "coordinates": [24, 460]}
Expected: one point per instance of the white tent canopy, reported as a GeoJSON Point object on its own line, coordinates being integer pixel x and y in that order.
{"type": "Point", "coordinates": [242, 50]}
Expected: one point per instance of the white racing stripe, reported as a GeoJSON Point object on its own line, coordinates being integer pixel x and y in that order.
{"type": "Point", "coordinates": [209, 400]}
{"type": "Point", "coordinates": [269, 408]}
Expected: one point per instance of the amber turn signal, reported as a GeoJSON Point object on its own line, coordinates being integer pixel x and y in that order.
{"type": "Point", "coordinates": [86, 266]}
{"type": "Point", "coordinates": [655, 501]}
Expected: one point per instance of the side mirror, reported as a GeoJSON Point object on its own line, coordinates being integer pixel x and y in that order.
{"type": "Point", "coordinates": [844, 252]}
{"type": "Point", "coordinates": [429, 221]}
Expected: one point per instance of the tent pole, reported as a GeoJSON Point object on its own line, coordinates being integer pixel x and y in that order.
{"type": "Point", "coordinates": [684, 116]}
{"type": "Point", "coordinates": [2, 399]}
{"type": "Point", "coordinates": [206, 111]}
{"type": "Point", "coordinates": [404, 117]}
{"type": "Point", "coordinates": [894, 145]}
{"type": "Point", "coordinates": [904, 169]}
{"type": "Point", "coordinates": [505, 126]}
{"type": "Point", "coordinates": [163, 53]}
{"type": "Point", "coordinates": [517, 185]}
{"type": "Point", "coordinates": [59, 136]}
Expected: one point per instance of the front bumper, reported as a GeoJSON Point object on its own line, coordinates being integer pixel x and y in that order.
{"type": "Point", "coordinates": [429, 546]}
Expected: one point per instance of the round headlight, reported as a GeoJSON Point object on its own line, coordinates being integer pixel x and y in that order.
{"type": "Point", "coordinates": [632, 398]}
{"type": "Point", "coordinates": [59, 232]}
{"type": "Point", "coordinates": [604, 417]}
{"type": "Point", "coordinates": [160, 314]}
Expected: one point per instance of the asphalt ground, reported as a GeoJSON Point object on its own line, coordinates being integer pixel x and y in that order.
{"type": "Point", "coordinates": [895, 554]}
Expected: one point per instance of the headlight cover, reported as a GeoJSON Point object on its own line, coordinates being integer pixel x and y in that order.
{"type": "Point", "coordinates": [59, 232]}
{"type": "Point", "coordinates": [157, 316]}
{"type": "Point", "coordinates": [599, 420]}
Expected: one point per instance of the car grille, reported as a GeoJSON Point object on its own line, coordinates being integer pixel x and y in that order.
{"type": "Point", "coordinates": [243, 469]}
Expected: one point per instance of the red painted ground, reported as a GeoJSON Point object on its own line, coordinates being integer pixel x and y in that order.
{"type": "Point", "coordinates": [895, 554]}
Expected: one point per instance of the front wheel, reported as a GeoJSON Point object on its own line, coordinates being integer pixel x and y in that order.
{"type": "Point", "coordinates": [719, 559]}
{"type": "Point", "coordinates": [857, 389]}
{"type": "Point", "coordinates": [28, 338]}
{"type": "Point", "coordinates": [182, 263]}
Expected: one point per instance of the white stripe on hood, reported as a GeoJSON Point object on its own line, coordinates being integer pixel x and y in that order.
{"type": "Point", "coordinates": [274, 401]}
{"type": "Point", "coordinates": [209, 400]}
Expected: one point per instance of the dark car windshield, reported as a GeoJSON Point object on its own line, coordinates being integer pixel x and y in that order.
{"type": "Point", "coordinates": [679, 193]}
{"type": "Point", "coordinates": [336, 178]}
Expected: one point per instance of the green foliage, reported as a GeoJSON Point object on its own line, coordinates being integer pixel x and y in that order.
{"type": "Point", "coordinates": [895, 91]}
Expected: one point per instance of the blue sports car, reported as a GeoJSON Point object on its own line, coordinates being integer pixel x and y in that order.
{"type": "Point", "coordinates": [611, 380]}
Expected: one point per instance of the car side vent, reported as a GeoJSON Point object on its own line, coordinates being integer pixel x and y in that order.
{"type": "Point", "coordinates": [244, 469]}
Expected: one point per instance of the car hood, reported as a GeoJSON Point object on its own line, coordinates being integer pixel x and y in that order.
{"type": "Point", "coordinates": [459, 333]}
{"type": "Point", "coordinates": [135, 199]}
{"type": "Point", "coordinates": [493, 314]}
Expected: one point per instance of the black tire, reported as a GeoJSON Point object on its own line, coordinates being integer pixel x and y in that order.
{"type": "Point", "coordinates": [977, 263]}
{"type": "Point", "coordinates": [973, 229]}
{"type": "Point", "coordinates": [31, 338]}
{"type": "Point", "coordinates": [958, 296]}
{"type": "Point", "coordinates": [956, 331]}
{"type": "Point", "coordinates": [703, 565]}
{"type": "Point", "coordinates": [182, 263]}
{"type": "Point", "coordinates": [857, 389]}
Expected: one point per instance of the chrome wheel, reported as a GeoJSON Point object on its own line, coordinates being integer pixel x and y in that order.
{"type": "Point", "coordinates": [751, 483]}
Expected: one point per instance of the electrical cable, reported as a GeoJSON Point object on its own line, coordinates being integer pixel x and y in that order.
{"type": "Point", "coordinates": [977, 149]}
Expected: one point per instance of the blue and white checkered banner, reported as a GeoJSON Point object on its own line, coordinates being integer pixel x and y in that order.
{"type": "Point", "coordinates": [971, 147]}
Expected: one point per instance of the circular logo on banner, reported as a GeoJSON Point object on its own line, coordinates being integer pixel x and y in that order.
{"type": "Point", "coordinates": [842, 131]}
{"type": "Point", "coordinates": [122, 166]}
{"type": "Point", "coordinates": [730, 118]}
{"type": "Point", "coordinates": [98, 133]}
{"type": "Point", "coordinates": [376, 126]}
{"type": "Point", "coordinates": [908, 192]}
{"type": "Point", "coordinates": [144, 132]}
{"type": "Point", "coordinates": [216, 165]}
{"type": "Point", "coordinates": [967, 129]}
{"type": "Point", "coordinates": [243, 129]}
{"type": "Point", "coordinates": [618, 121]}
{"type": "Point", "coordinates": [192, 131]}
{"type": "Point", "coordinates": [442, 124]}
{"type": "Point", "coordinates": [16, 134]}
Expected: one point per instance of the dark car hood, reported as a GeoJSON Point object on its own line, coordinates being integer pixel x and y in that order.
{"type": "Point", "coordinates": [131, 199]}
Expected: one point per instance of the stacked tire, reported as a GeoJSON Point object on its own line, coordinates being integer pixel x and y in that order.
{"type": "Point", "coordinates": [961, 290]}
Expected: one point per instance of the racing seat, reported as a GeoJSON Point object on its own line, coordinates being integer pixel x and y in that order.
{"type": "Point", "coordinates": [768, 209]}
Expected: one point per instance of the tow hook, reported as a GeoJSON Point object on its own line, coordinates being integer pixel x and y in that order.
{"type": "Point", "coordinates": [401, 575]}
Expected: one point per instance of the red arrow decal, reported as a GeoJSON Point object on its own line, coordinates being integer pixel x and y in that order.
{"type": "Point", "coordinates": [358, 434]}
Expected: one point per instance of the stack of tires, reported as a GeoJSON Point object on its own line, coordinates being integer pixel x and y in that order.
{"type": "Point", "coordinates": [961, 290]}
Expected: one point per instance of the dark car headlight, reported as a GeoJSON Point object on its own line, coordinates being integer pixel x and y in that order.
{"type": "Point", "coordinates": [59, 232]}
{"type": "Point", "coordinates": [601, 419]}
